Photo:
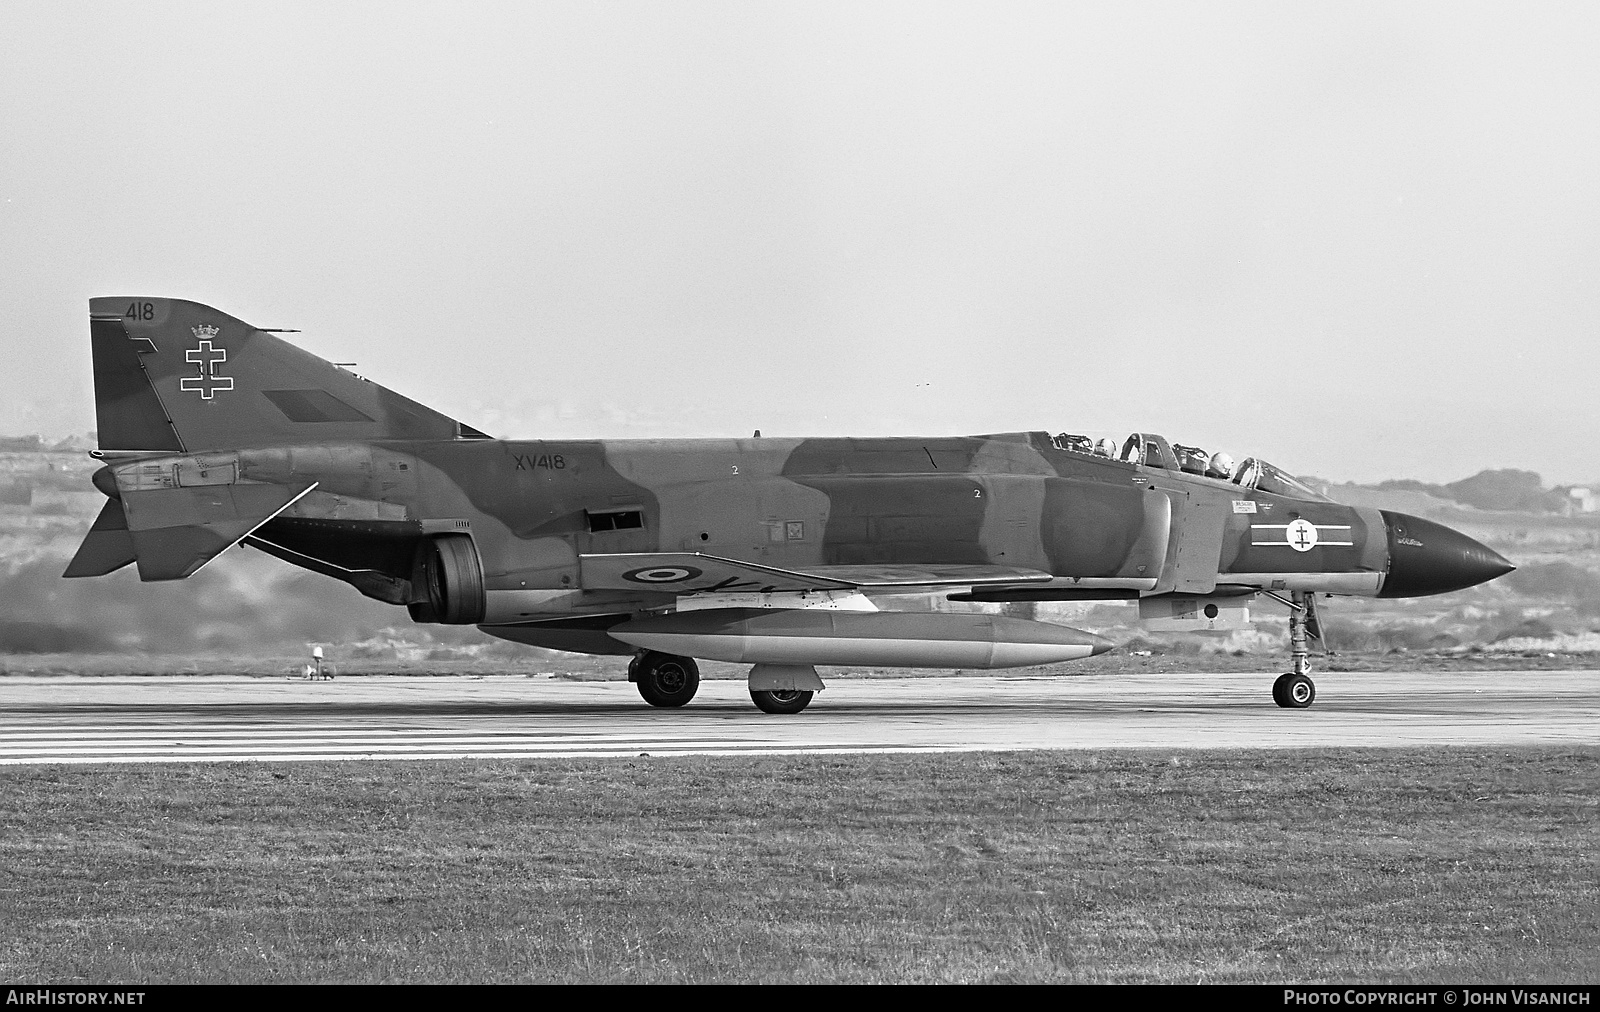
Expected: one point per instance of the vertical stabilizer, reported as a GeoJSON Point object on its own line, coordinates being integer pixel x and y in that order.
{"type": "Point", "coordinates": [177, 375]}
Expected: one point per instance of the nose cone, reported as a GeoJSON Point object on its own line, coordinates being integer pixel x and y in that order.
{"type": "Point", "coordinates": [1428, 558]}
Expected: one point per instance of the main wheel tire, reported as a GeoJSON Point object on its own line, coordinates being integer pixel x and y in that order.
{"type": "Point", "coordinates": [781, 700]}
{"type": "Point", "coordinates": [1294, 692]}
{"type": "Point", "coordinates": [667, 680]}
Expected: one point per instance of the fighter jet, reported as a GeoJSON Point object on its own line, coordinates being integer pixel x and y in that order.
{"type": "Point", "coordinates": [780, 553]}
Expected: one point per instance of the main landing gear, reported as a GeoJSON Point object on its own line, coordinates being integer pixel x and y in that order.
{"type": "Point", "coordinates": [664, 679]}
{"type": "Point", "coordinates": [1294, 690]}
{"type": "Point", "coordinates": [670, 680]}
{"type": "Point", "coordinates": [783, 688]}
{"type": "Point", "coordinates": [781, 700]}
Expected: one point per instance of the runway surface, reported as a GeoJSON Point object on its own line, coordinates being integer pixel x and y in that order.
{"type": "Point", "coordinates": [81, 720]}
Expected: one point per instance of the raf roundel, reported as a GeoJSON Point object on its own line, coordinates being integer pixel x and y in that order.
{"type": "Point", "coordinates": [662, 574]}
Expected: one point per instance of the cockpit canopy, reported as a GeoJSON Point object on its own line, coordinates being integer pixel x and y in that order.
{"type": "Point", "coordinates": [1255, 473]}
{"type": "Point", "coordinates": [1151, 450]}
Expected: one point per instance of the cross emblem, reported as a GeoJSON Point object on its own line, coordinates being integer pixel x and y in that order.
{"type": "Point", "coordinates": [207, 359]}
{"type": "Point", "coordinates": [1302, 536]}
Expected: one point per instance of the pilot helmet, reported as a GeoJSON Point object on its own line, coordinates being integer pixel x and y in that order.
{"type": "Point", "coordinates": [1107, 447]}
{"type": "Point", "coordinates": [1221, 465]}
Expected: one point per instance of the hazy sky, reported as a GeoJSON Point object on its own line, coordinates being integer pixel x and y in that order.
{"type": "Point", "coordinates": [1362, 241]}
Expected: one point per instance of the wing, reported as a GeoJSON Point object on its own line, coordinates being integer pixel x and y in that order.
{"type": "Point", "coordinates": [898, 575]}
{"type": "Point", "coordinates": [694, 573]}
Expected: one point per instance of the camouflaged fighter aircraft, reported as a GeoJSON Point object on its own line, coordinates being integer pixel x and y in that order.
{"type": "Point", "coordinates": [781, 553]}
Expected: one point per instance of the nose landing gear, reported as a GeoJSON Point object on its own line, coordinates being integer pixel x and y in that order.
{"type": "Point", "coordinates": [1294, 690]}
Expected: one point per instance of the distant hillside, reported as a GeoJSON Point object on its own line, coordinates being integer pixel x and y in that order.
{"type": "Point", "coordinates": [37, 444]}
{"type": "Point", "coordinates": [1505, 491]}
{"type": "Point", "coordinates": [1416, 503]}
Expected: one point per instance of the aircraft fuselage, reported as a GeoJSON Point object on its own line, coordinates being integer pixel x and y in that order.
{"type": "Point", "coordinates": [783, 553]}
{"type": "Point", "coordinates": [1098, 527]}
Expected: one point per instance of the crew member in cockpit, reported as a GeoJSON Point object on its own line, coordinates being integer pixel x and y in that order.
{"type": "Point", "coordinates": [1220, 466]}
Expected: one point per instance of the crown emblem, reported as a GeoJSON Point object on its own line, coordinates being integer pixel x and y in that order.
{"type": "Point", "coordinates": [205, 331]}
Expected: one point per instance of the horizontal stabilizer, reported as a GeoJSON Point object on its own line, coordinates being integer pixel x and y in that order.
{"type": "Point", "coordinates": [175, 531]}
{"type": "Point", "coordinates": [107, 547]}
{"type": "Point", "coordinates": [694, 573]}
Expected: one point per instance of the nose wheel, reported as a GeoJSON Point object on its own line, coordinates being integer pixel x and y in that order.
{"type": "Point", "coordinates": [1294, 691]}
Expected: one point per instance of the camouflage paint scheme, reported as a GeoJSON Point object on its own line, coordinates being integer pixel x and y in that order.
{"type": "Point", "coordinates": [215, 432]}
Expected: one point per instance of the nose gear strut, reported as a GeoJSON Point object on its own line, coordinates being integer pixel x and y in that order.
{"type": "Point", "coordinates": [1294, 690]}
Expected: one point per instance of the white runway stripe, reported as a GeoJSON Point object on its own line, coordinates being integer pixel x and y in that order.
{"type": "Point", "coordinates": [312, 743]}
{"type": "Point", "coordinates": [220, 757]}
{"type": "Point", "coordinates": [187, 734]}
{"type": "Point", "coordinates": [259, 730]}
{"type": "Point", "coordinates": [336, 745]}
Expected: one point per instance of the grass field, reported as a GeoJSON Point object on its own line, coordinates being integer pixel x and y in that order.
{"type": "Point", "coordinates": [1460, 865]}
